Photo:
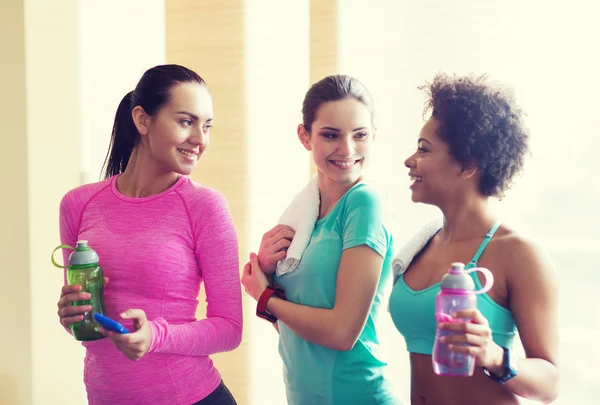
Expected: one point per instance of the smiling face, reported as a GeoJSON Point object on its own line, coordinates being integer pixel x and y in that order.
{"type": "Point", "coordinates": [179, 133]}
{"type": "Point", "coordinates": [341, 139]}
{"type": "Point", "coordinates": [434, 174]}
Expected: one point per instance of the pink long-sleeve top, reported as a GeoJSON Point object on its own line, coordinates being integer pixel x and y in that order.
{"type": "Point", "coordinates": [156, 252]}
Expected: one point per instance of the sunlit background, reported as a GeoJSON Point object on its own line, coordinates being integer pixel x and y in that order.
{"type": "Point", "coordinates": [66, 64]}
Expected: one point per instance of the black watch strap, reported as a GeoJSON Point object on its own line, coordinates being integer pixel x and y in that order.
{"type": "Point", "coordinates": [510, 370]}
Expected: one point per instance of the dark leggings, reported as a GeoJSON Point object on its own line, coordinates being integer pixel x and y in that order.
{"type": "Point", "coordinates": [220, 396]}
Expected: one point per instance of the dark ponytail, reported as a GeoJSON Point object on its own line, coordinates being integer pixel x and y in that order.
{"type": "Point", "coordinates": [151, 93]}
{"type": "Point", "coordinates": [122, 140]}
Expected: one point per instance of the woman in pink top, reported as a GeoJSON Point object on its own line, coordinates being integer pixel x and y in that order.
{"type": "Point", "coordinates": [159, 235]}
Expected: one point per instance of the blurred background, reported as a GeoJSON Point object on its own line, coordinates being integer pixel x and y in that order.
{"type": "Point", "coordinates": [66, 64]}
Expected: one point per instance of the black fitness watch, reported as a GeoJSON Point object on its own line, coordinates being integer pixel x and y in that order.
{"type": "Point", "coordinates": [510, 364]}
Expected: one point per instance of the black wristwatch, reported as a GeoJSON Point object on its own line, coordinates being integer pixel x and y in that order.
{"type": "Point", "coordinates": [510, 364]}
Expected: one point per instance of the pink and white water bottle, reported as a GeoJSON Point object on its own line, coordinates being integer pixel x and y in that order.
{"type": "Point", "coordinates": [456, 293]}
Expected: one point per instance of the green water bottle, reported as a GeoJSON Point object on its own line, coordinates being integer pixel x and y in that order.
{"type": "Point", "coordinates": [83, 269]}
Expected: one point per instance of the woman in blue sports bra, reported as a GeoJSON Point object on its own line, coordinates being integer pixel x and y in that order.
{"type": "Point", "coordinates": [468, 151]}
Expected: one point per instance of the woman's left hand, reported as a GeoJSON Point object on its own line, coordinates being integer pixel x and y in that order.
{"type": "Point", "coordinates": [253, 278]}
{"type": "Point", "coordinates": [477, 333]}
{"type": "Point", "coordinates": [136, 344]}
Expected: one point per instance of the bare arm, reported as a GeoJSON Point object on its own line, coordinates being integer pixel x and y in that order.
{"type": "Point", "coordinates": [337, 328]}
{"type": "Point", "coordinates": [534, 301]}
{"type": "Point", "coordinates": [532, 289]}
{"type": "Point", "coordinates": [363, 226]}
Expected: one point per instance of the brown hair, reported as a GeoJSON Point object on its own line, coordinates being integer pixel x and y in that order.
{"type": "Point", "coordinates": [334, 88]}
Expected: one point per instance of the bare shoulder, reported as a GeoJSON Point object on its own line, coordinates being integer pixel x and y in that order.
{"type": "Point", "coordinates": [523, 258]}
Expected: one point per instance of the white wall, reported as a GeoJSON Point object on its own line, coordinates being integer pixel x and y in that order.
{"type": "Point", "coordinates": [120, 40]}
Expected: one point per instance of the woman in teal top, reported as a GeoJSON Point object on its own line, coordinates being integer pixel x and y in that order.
{"type": "Point", "coordinates": [328, 339]}
{"type": "Point", "coordinates": [468, 151]}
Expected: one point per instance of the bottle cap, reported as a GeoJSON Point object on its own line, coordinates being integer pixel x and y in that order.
{"type": "Point", "coordinates": [83, 254]}
{"type": "Point", "coordinates": [457, 279]}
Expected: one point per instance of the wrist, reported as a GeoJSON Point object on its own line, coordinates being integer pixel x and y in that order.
{"type": "Point", "coordinates": [259, 293]}
{"type": "Point", "coordinates": [153, 335]}
{"type": "Point", "coordinates": [497, 365]}
{"type": "Point", "coordinates": [265, 297]}
{"type": "Point", "coordinates": [158, 331]}
{"type": "Point", "coordinates": [510, 368]}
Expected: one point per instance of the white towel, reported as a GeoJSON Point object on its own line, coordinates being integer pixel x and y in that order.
{"type": "Point", "coordinates": [301, 214]}
{"type": "Point", "coordinates": [407, 253]}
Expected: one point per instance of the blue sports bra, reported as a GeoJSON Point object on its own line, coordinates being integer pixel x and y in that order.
{"type": "Point", "coordinates": [413, 312]}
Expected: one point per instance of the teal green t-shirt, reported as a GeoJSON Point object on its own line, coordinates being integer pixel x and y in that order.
{"type": "Point", "coordinates": [316, 375]}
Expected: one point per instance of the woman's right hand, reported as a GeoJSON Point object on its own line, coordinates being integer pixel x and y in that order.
{"type": "Point", "coordinates": [67, 313]}
{"type": "Point", "coordinates": [70, 314]}
{"type": "Point", "coordinates": [273, 247]}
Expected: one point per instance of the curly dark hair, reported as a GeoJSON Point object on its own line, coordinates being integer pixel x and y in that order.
{"type": "Point", "coordinates": [481, 124]}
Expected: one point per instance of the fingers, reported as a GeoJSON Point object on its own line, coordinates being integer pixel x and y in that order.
{"type": "Point", "coordinates": [471, 339]}
{"type": "Point", "coordinates": [271, 232]}
{"type": "Point", "coordinates": [257, 274]}
{"type": "Point", "coordinates": [105, 280]}
{"type": "Point", "coordinates": [282, 244]}
{"type": "Point", "coordinates": [123, 340]}
{"type": "Point", "coordinates": [472, 350]}
{"type": "Point", "coordinates": [461, 327]}
{"type": "Point", "coordinates": [129, 344]}
{"type": "Point", "coordinates": [67, 321]}
{"type": "Point", "coordinates": [246, 275]}
{"type": "Point", "coordinates": [274, 242]}
{"type": "Point", "coordinates": [68, 313]}
{"type": "Point", "coordinates": [135, 314]}
{"type": "Point", "coordinates": [276, 229]}
{"type": "Point", "coordinates": [473, 314]}
{"type": "Point", "coordinates": [133, 345]}
{"type": "Point", "coordinates": [73, 310]}
{"type": "Point", "coordinates": [254, 261]}
{"type": "Point", "coordinates": [279, 256]}
{"type": "Point", "coordinates": [282, 239]}
{"type": "Point", "coordinates": [138, 316]}
{"type": "Point", "coordinates": [475, 325]}
{"type": "Point", "coordinates": [67, 299]}
{"type": "Point", "coordinates": [68, 289]}
{"type": "Point", "coordinates": [284, 234]}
